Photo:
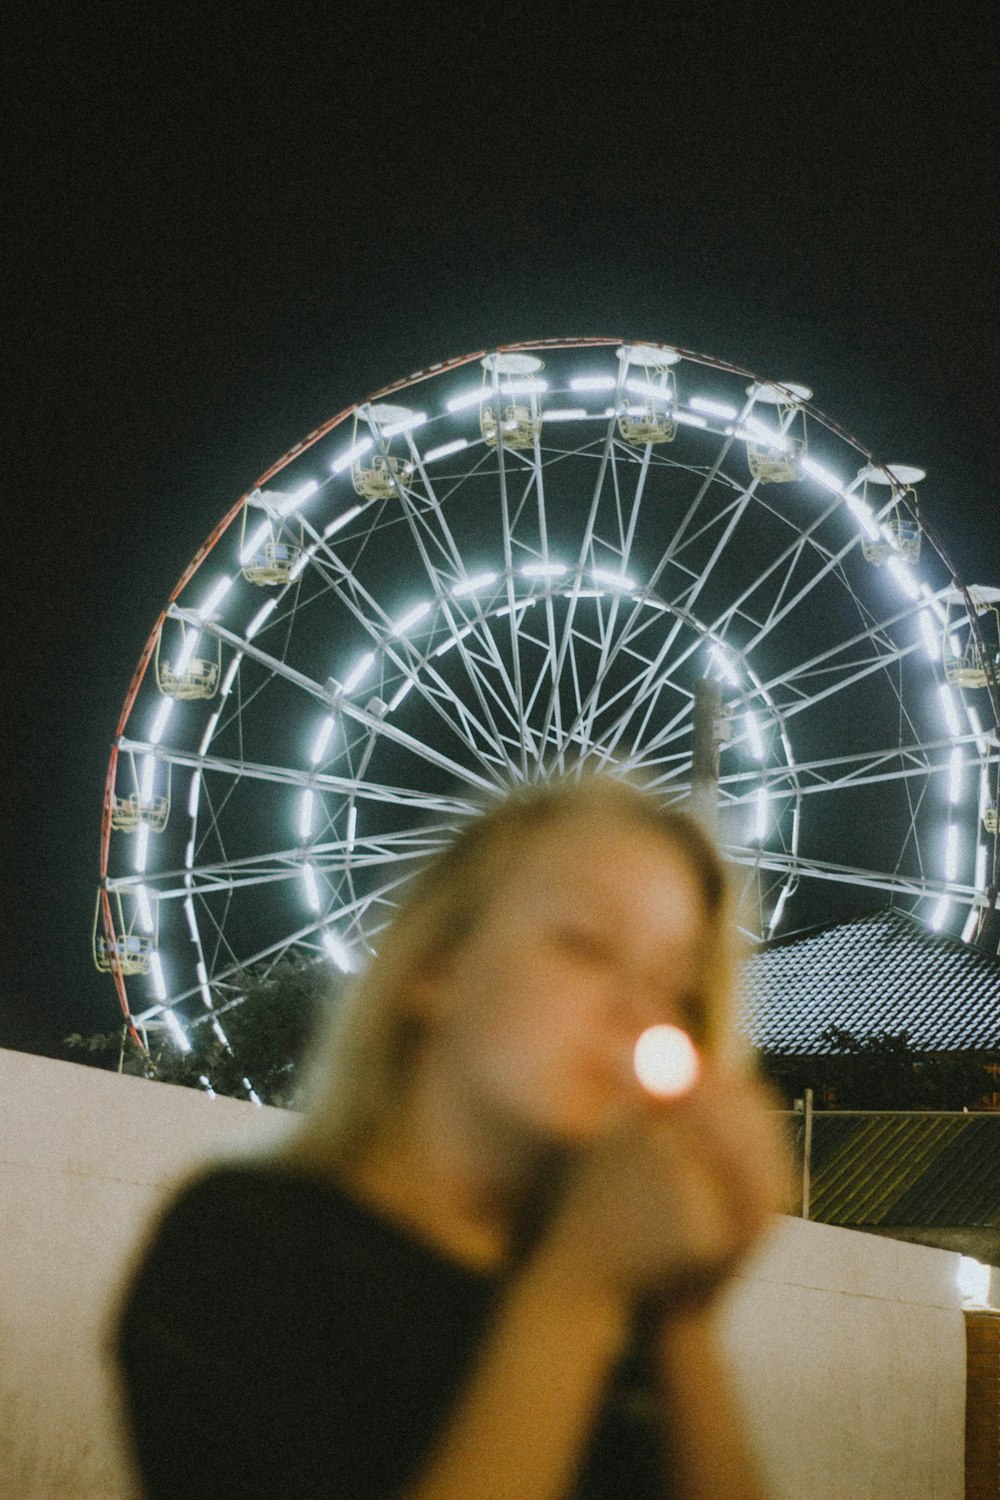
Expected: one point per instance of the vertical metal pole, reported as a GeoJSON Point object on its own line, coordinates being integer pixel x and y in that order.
{"type": "Point", "coordinates": [705, 753]}
{"type": "Point", "coordinates": [807, 1143]}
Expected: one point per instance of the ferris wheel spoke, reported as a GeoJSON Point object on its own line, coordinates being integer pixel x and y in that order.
{"type": "Point", "coordinates": [878, 880]}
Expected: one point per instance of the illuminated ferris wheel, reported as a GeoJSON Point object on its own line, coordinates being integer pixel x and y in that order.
{"type": "Point", "coordinates": [530, 558]}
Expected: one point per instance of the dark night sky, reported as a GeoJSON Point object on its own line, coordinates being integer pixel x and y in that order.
{"type": "Point", "coordinates": [221, 230]}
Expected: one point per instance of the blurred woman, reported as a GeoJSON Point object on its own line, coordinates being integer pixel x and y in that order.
{"type": "Point", "coordinates": [486, 1263]}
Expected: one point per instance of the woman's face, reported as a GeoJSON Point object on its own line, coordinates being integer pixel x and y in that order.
{"type": "Point", "coordinates": [598, 931]}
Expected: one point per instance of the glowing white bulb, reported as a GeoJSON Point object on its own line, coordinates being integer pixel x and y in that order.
{"type": "Point", "coordinates": [713, 408]}
{"type": "Point", "coordinates": [955, 764]}
{"type": "Point", "coordinates": [321, 741]}
{"type": "Point", "coordinates": [445, 450]}
{"type": "Point", "coordinates": [666, 1061]}
{"type": "Point", "coordinates": [311, 888]}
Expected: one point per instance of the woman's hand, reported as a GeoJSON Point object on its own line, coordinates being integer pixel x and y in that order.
{"type": "Point", "coordinates": [670, 1198]}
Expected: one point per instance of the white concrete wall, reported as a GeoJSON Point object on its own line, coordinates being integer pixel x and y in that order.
{"type": "Point", "coordinates": [849, 1349]}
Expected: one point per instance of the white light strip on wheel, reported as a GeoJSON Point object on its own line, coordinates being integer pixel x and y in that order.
{"type": "Point", "coordinates": [822, 476]}
{"type": "Point", "coordinates": [468, 398]}
{"type": "Point", "coordinates": [148, 776]}
{"type": "Point", "coordinates": [312, 889]}
{"type": "Point", "coordinates": [865, 516]}
{"type": "Point", "coordinates": [779, 908]}
{"type": "Point", "coordinates": [291, 502]}
{"type": "Point", "coordinates": [416, 614]}
{"type": "Point", "coordinates": [321, 741]}
{"type": "Point", "coordinates": [566, 414]}
{"type": "Point", "coordinates": [352, 828]}
{"type": "Point", "coordinates": [725, 664]}
{"type": "Point", "coordinates": [955, 775]}
{"type": "Point", "coordinates": [187, 651]}
{"type": "Point", "coordinates": [971, 922]}
{"type": "Point", "coordinates": [231, 671]}
{"type": "Point", "coordinates": [612, 580]}
{"type": "Point", "coordinates": [266, 609]}
{"type": "Point", "coordinates": [357, 450]}
{"type": "Point", "coordinates": [342, 520]}
{"type": "Point", "coordinates": [527, 387]}
{"type": "Point", "coordinates": [664, 393]}
{"type": "Point", "coordinates": [191, 921]}
{"type": "Point", "coordinates": [905, 579]}
{"type": "Point", "coordinates": [756, 431]}
{"type": "Point", "coordinates": [982, 856]}
{"type": "Point", "coordinates": [215, 598]}
{"type": "Point", "coordinates": [754, 737]}
{"type": "Point", "coordinates": [194, 792]}
{"type": "Point", "coordinates": [940, 913]}
{"type": "Point", "coordinates": [405, 424]}
{"type": "Point", "coordinates": [359, 672]}
{"type": "Point", "coordinates": [252, 1094]}
{"type": "Point", "coordinates": [160, 720]}
{"type": "Point", "coordinates": [143, 909]}
{"type": "Point", "coordinates": [951, 853]}
{"type": "Point", "coordinates": [543, 570]}
{"type": "Point", "coordinates": [950, 711]}
{"type": "Point", "coordinates": [761, 816]}
{"type": "Point", "coordinates": [339, 952]}
{"type": "Point", "coordinates": [141, 848]}
{"type": "Point", "coordinates": [935, 604]}
{"type": "Point", "coordinates": [257, 540]}
{"type": "Point", "coordinates": [472, 585]}
{"type": "Point", "coordinates": [713, 408]}
{"type": "Point", "coordinates": [453, 640]}
{"type": "Point", "coordinates": [932, 641]}
{"type": "Point", "coordinates": [690, 419]}
{"type": "Point", "coordinates": [306, 814]}
{"type": "Point", "coordinates": [445, 450]}
{"type": "Point", "coordinates": [593, 383]}
{"type": "Point", "coordinates": [404, 688]}
{"type": "Point", "coordinates": [176, 1030]}
{"type": "Point", "coordinates": [156, 975]}
{"type": "Point", "coordinates": [976, 725]}
{"type": "Point", "coordinates": [206, 738]}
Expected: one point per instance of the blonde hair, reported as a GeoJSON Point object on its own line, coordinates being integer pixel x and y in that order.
{"type": "Point", "coordinates": [361, 1067]}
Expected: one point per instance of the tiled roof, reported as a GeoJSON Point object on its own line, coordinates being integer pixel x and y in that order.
{"type": "Point", "coordinates": [906, 1169]}
{"type": "Point", "coordinates": [882, 972]}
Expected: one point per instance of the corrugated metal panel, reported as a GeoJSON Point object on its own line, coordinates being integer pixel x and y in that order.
{"type": "Point", "coordinates": [905, 1169]}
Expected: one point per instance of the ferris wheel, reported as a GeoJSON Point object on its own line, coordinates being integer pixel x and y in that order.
{"type": "Point", "coordinates": [525, 559]}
